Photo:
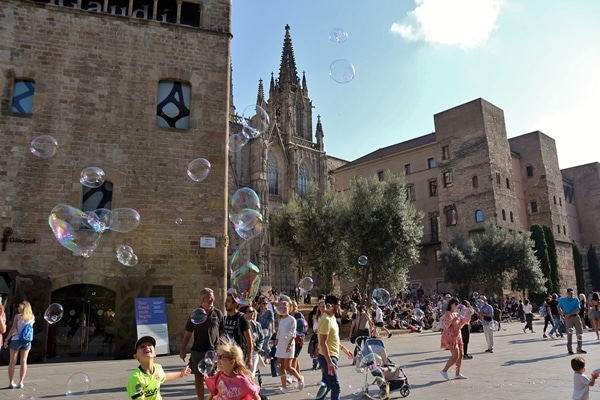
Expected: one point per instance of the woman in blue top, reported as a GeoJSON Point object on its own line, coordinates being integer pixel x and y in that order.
{"type": "Point", "coordinates": [18, 348]}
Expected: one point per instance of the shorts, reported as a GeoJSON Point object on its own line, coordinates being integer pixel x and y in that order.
{"type": "Point", "coordinates": [195, 358]}
{"type": "Point", "coordinates": [379, 324]}
{"type": "Point", "coordinates": [16, 345]}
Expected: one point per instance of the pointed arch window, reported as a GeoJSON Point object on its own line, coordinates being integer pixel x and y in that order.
{"type": "Point", "coordinates": [303, 180]}
{"type": "Point", "coordinates": [478, 216]}
{"type": "Point", "coordinates": [273, 174]}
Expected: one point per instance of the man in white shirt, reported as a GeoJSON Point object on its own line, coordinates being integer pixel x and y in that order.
{"type": "Point", "coordinates": [379, 321]}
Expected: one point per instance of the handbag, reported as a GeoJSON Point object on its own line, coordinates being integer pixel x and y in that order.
{"type": "Point", "coordinates": [312, 344]}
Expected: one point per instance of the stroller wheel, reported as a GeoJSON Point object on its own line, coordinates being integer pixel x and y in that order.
{"type": "Point", "coordinates": [404, 391]}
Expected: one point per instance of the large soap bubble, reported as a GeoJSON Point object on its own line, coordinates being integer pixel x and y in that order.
{"type": "Point", "coordinates": [244, 198]}
{"type": "Point", "coordinates": [124, 220]}
{"type": "Point", "coordinates": [27, 393]}
{"type": "Point", "coordinates": [342, 71]}
{"type": "Point", "coordinates": [44, 146]}
{"type": "Point", "coordinates": [237, 141]}
{"type": "Point", "coordinates": [198, 316]}
{"type": "Point", "coordinates": [208, 365]}
{"type": "Point", "coordinates": [53, 313]}
{"type": "Point", "coordinates": [301, 327]}
{"type": "Point", "coordinates": [246, 282]}
{"type": "Point", "coordinates": [240, 257]}
{"type": "Point", "coordinates": [338, 35]}
{"type": "Point", "coordinates": [377, 388]}
{"type": "Point", "coordinates": [419, 314]}
{"type": "Point", "coordinates": [306, 284]}
{"type": "Point", "coordinates": [78, 384]}
{"type": "Point", "coordinates": [255, 121]}
{"type": "Point", "coordinates": [74, 229]}
{"type": "Point", "coordinates": [104, 217]}
{"type": "Point", "coordinates": [249, 224]}
{"type": "Point", "coordinates": [371, 361]}
{"type": "Point", "coordinates": [198, 169]}
{"type": "Point", "coordinates": [126, 256]}
{"type": "Point", "coordinates": [92, 177]}
{"type": "Point", "coordinates": [381, 297]}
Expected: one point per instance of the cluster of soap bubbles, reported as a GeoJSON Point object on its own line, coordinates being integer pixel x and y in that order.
{"type": "Point", "coordinates": [78, 384]}
{"type": "Point", "coordinates": [255, 121]}
{"type": "Point", "coordinates": [340, 70]}
{"type": "Point", "coordinates": [208, 365]}
{"type": "Point", "coordinates": [126, 256]}
{"type": "Point", "coordinates": [244, 213]}
{"type": "Point", "coordinates": [381, 297]}
{"type": "Point", "coordinates": [80, 232]}
{"type": "Point", "coordinates": [53, 313]}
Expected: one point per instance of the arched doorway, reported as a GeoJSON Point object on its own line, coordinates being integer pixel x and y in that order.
{"type": "Point", "coordinates": [86, 330]}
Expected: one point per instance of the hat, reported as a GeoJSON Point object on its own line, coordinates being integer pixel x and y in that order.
{"type": "Point", "coordinates": [145, 339]}
{"type": "Point", "coordinates": [332, 299]}
{"type": "Point", "coordinates": [570, 290]}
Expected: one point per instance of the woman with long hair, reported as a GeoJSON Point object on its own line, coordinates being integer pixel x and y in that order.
{"type": "Point", "coordinates": [285, 345]}
{"type": "Point", "coordinates": [313, 320]}
{"type": "Point", "coordinates": [233, 381]}
{"type": "Point", "coordinates": [452, 338]}
{"type": "Point", "coordinates": [18, 348]}
{"type": "Point", "coordinates": [594, 313]}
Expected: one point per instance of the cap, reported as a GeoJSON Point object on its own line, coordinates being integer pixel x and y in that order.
{"type": "Point", "coordinates": [570, 290]}
{"type": "Point", "coordinates": [145, 339]}
{"type": "Point", "coordinates": [448, 296]}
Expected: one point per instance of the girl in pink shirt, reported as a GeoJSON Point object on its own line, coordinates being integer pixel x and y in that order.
{"type": "Point", "coordinates": [233, 381]}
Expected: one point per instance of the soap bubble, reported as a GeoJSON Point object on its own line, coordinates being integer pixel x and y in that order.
{"type": "Point", "coordinates": [74, 229]}
{"type": "Point", "coordinates": [53, 313]}
{"type": "Point", "coordinates": [377, 389]}
{"type": "Point", "coordinates": [104, 217]}
{"type": "Point", "coordinates": [419, 314]}
{"type": "Point", "coordinates": [321, 390]}
{"type": "Point", "coordinates": [494, 325]}
{"type": "Point", "coordinates": [78, 384]}
{"type": "Point", "coordinates": [371, 361]}
{"type": "Point", "coordinates": [198, 169]}
{"type": "Point", "coordinates": [124, 220]}
{"type": "Point", "coordinates": [237, 141]}
{"type": "Point", "coordinates": [178, 221]}
{"type": "Point", "coordinates": [283, 297]}
{"type": "Point", "coordinates": [126, 256]}
{"type": "Point", "coordinates": [338, 35]}
{"type": "Point", "coordinates": [306, 284]}
{"type": "Point", "coordinates": [198, 316]}
{"type": "Point", "coordinates": [301, 327]}
{"type": "Point", "coordinates": [246, 282]}
{"type": "Point", "coordinates": [27, 393]}
{"type": "Point", "coordinates": [208, 365]}
{"type": "Point", "coordinates": [255, 121]}
{"type": "Point", "coordinates": [244, 198]}
{"type": "Point", "coordinates": [92, 177]}
{"type": "Point", "coordinates": [381, 297]}
{"type": "Point", "coordinates": [571, 331]}
{"type": "Point", "coordinates": [341, 71]}
{"type": "Point", "coordinates": [282, 308]}
{"type": "Point", "coordinates": [363, 260]}
{"type": "Point", "coordinates": [249, 224]}
{"type": "Point", "coordinates": [240, 257]}
{"type": "Point", "coordinates": [44, 146]}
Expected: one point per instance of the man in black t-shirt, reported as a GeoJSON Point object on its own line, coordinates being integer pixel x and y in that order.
{"type": "Point", "coordinates": [553, 305]}
{"type": "Point", "coordinates": [236, 327]}
{"type": "Point", "coordinates": [206, 337]}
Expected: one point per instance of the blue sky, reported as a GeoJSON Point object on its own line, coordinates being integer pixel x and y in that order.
{"type": "Point", "coordinates": [538, 60]}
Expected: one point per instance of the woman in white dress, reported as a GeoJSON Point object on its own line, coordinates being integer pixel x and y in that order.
{"type": "Point", "coordinates": [284, 341]}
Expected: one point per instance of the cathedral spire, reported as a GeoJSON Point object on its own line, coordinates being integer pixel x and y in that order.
{"type": "Point", "coordinates": [288, 75]}
{"type": "Point", "coordinates": [304, 87]}
{"type": "Point", "coordinates": [260, 98]}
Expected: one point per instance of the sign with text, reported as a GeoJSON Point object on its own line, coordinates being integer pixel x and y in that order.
{"type": "Point", "coordinates": [151, 320]}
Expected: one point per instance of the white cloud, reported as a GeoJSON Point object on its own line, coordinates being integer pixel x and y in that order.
{"type": "Point", "coordinates": [463, 23]}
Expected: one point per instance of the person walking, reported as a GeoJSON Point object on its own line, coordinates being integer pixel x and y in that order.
{"type": "Point", "coordinates": [465, 332]}
{"type": "Point", "coordinates": [285, 344]}
{"type": "Point", "coordinates": [553, 303]}
{"type": "Point", "coordinates": [545, 313]}
{"type": "Point", "coordinates": [205, 335]}
{"type": "Point", "coordinates": [266, 318]}
{"type": "Point", "coordinates": [569, 310]}
{"type": "Point", "coordinates": [19, 349]}
{"type": "Point", "coordinates": [528, 311]}
{"type": "Point", "coordinates": [257, 340]}
{"type": "Point", "coordinates": [329, 348]}
{"type": "Point", "coordinates": [594, 313]}
{"type": "Point", "coordinates": [582, 309]}
{"type": "Point", "coordinates": [452, 338]}
{"type": "Point", "coordinates": [378, 321]}
{"type": "Point", "coordinates": [487, 312]}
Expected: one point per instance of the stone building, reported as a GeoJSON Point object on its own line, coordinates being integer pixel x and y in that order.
{"type": "Point", "coordinates": [281, 161]}
{"type": "Point", "coordinates": [139, 88]}
{"type": "Point", "coordinates": [468, 172]}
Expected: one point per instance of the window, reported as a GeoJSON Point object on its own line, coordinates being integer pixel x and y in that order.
{"type": "Point", "coordinates": [445, 153]}
{"type": "Point", "coordinates": [507, 183]}
{"type": "Point", "coordinates": [475, 182]}
{"type": "Point", "coordinates": [450, 212]}
{"type": "Point", "coordinates": [438, 255]}
{"type": "Point", "coordinates": [559, 201]}
{"type": "Point", "coordinates": [564, 229]}
{"type": "Point", "coordinates": [447, 178]}
{"type": "Point", "coordinates": [512, 217]}
{"type": "Point", "coordinates": [534, 208]}
{"type": "Point", "coordinates": [273, 174]}
{"type": "Point", "coordinates": [407, 169]}
{"type": "Point", "coordinates": [410, 193]}
{"type": "Point", "coordinates": [173, 105]}
{"type": "Point", "coordinates": [478, 216]}
{"type": "Point", "coordinates": [430, 163]}
{"type": "Point", "coordinates": [503, 215]}
{"type": "Point", "coordinates": [558, 228]}
{"type": "Point", "coordinates": [529, 170]}
{"type": "Point", "coordinates": [554, 199]}
{"type": "Point", "coordinates": [569, 192]}
{"type": "Point", "coordinates": [303, 180]}
{"type": "Point", "coordinates": [22, 97]}
{"type": "Point", "coordinates": [434, 223]}
{"type": "Point", "coordinates": [433, 188]}
{"type": "Point", "coordinates": [95, 198]}
{"type": "Point", "coordinates": [498, 178]}
{"type": "Point", "coordinates": [380, 176]}
{"type": "Point", "coordinates": [165, 291]}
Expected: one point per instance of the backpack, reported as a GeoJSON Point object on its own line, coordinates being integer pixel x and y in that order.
{"type": "Point", "coordinates": [26, 334]}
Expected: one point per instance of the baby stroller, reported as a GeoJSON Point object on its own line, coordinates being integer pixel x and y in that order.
{"type": "Point", "coordinates": [373, 360]}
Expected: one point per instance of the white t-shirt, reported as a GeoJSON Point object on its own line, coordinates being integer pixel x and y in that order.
{"type": "Point", "coordinates": [581, 387]}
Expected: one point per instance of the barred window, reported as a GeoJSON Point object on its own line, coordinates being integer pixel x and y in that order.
{"type": "Point", "coordinates": [165, 291]}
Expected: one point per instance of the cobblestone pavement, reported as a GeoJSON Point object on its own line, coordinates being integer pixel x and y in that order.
{"type": "Point", "coordinates": [523, 366]}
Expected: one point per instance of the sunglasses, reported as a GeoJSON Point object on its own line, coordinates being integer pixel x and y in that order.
{"type": "Point", "coordinates": [249, 311]}
{"type": "Point", "coordinates": [223, 357]}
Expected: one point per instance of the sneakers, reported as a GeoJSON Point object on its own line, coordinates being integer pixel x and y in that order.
{"type": "Point", "coordinates": [524, 330]}
{"type": "Point", "coordinates": [20, 385]}
{"type": "Point", "coordinates": [444, 375]}
{"type": "Point", "coordinates": [301, 383]}
{"type": "Point", "coordinates": [489, 351]}
{"type": "Point", "coordinates": [581, 351]}
{"type": "Point", "coordinates": [467, 357]}
{"type": "Point", "coordinates": [552, 337]}
{"type": "Point", "coordinates": [12, 385]}
{"type": "Point", "coordinates": [389, 336]}
{"type": "Point", "coordinates": [460, 376]}
{"type": "Point", "coordinates": [571, 352]}
{"type": "Point", "coordinates": [545, 336]}
{"type": "Point", "coordinates": [532, 331]}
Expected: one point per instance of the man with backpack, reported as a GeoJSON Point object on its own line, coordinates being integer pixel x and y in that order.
{"type": "Point", "coordinates": [236, 327]}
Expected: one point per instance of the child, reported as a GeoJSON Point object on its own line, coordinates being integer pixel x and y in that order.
{"type": "Point", "coordinates": [581, 383]}
{"type": "Point", "coordinates": [233, 381]}
{"type": "Point", "coordinates": [144, 382]}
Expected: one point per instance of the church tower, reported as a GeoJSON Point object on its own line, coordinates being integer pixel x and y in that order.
{"type": "Point", "coordinates": [280, 162]}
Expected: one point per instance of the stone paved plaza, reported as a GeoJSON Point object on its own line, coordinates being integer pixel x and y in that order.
{"type": "Point", "coordinates": [523, 366]}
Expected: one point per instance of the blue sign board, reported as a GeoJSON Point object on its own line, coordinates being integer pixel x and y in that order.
{"type": "Point", "coordinates": [150, 311]}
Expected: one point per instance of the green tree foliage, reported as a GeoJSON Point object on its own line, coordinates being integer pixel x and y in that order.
{"type": "Point", "coordinates": [593, 267]}
{"type": "Point", "coordinates": [382, 224]}
{"type": "Point", "coordinates": [541, 252]}
{"type": "Point", "coordinates": [553, 258]}
{"type": "Point", "coordinates": [493, 259]}
{"type": "Point", "coordinates": [578, 265]}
